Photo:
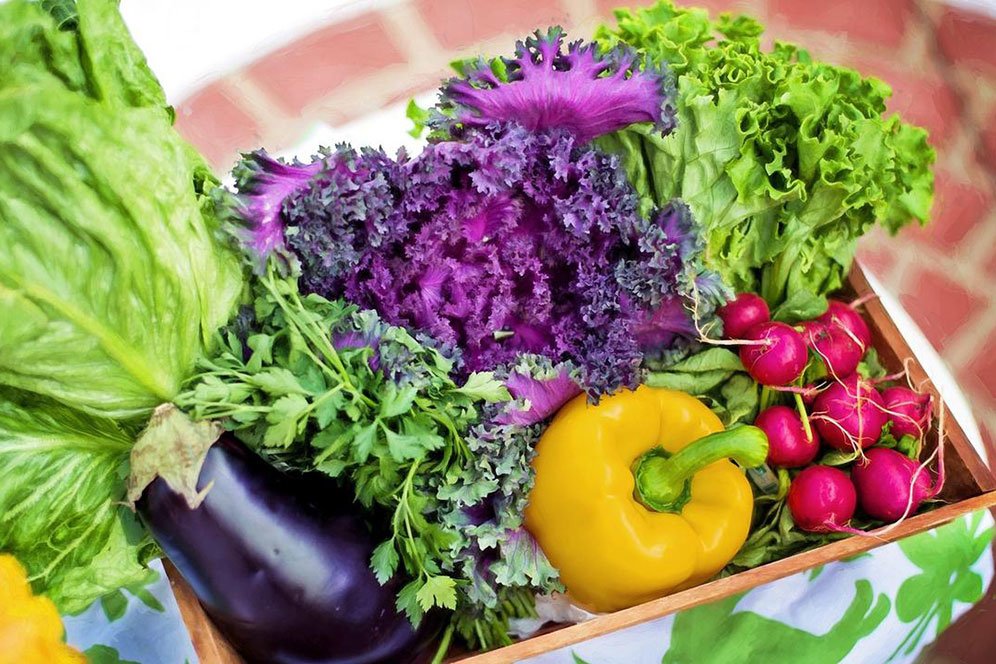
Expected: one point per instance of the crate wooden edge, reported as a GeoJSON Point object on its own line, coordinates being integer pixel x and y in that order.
{"type": "Point", "coordinates": [885, 327]}
{"type": "Point", "coordinates": [210, 644]}
{"type": "Point", "coordinates": [212, 647]}
{"type": "Point", "coordinates": [721, 588]}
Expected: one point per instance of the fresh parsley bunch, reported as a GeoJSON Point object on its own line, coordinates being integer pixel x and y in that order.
{"type": "Point", "coordinates": [319, 384]}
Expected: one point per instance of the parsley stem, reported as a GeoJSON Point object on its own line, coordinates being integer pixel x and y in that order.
{"type": "Point", "coordinates": [485, 644]}
{"type": "Point", "coordinates": [331, 392]}
{"type": "Point", "coordinates": [311, 332]}
{"type": "Point", "coordinates": [444, 645]}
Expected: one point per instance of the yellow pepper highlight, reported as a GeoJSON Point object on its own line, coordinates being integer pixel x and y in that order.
{"type": "Point", "coordinates": [31, 630]}
{"type": "Point", "coordinates": [599, 467]}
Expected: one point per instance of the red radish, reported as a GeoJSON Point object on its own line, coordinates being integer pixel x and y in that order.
{"type": "Point", "coordinates": [822, 499]}
{"type": "Point", "coordinates": [849, 321]}
{"type": "Point", "coordinates": [883, 480]}
{"type": "Point", "coordinates": [839, 352]}
{"type": "Point", "coordinates": [742, 313]}
{"type": "Point", "coordinates": [908, 411]}
{"type": "Point", "coordinates": [780, 359]}
{"type": "Point", "coordinates": [850, 414]}
{"type": "Point", "coordinates": [788, 444]}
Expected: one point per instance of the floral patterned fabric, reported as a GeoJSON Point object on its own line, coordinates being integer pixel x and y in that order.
{"type": "Point", "coordinates": [881, 606]}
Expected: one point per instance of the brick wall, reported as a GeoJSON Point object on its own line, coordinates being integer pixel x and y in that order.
{"type": "Point", "coordinates": [940, 60]}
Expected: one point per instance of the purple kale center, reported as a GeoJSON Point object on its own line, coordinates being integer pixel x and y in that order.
{"type": "Point", "coordinates": [509, 242]}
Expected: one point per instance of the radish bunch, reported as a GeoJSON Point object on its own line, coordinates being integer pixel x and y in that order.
{"type": "Point", "coordinates": [842, 411]}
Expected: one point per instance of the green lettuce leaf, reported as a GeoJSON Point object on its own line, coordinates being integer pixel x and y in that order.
{"type": "Point", "coordinates": [784, 161]}
{"type": "Point", "coordinates": [61, 511]}
{"type": "Point", "coordinates": [111, 279]}
{"type": "Point", "coordinates": [716, 376]}
{"type": "Point", "coordinates": [93, 54]}
{"type": "Point", "coordinates": [112, 284]}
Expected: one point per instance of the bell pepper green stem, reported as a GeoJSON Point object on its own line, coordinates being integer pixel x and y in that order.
{"type": "Point", "coordinates": [662, 480]}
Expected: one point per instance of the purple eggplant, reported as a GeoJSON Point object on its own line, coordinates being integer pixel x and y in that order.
{"type": "Point", "coordinates": [281, 564]}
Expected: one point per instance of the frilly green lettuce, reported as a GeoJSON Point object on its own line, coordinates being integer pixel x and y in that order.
{"type": "Point", "coordinates": [784, 161]}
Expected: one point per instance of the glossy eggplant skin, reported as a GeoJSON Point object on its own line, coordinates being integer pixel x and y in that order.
{"type": "Point", "coordinates": [281, 564]}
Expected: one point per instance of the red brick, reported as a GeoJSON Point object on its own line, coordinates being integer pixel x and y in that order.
{"type": "Point", "coordinates": [939, 305]}
{"type": "Point", "coordinates": [922, 98]}
{"type": "Point", "coordinates": [880, 21]}
{"type": "Point", "coordinates": [417, 84]}
{"type": "Point", "coordinates": [315, 65]}
{"type": "Point", "coordinates": [958, 208]}
{"type": "Point", "coordinates": [461, 23]}
{"type": "Point", "coordinates": [715, 7]}
{"type": "Point", "coordinates": [968, 38]}
{"type": "Point", "coordinates": [216, 125]}
{"type": "Point", "coordinates": [877, 255]}
{"type": "Point", "coordinates": [978, 376]}
{"type": "Point", "coordinates": [987, 146]}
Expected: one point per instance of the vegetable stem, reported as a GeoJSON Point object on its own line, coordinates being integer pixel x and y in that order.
{"type": "Point", "coordinates": [444, 645]}
{"type": "Point", "coordinates": [801, 407]}
{"type": "Point", "coordinates": [766, 394]}
{"type": "Point", "coordinates": [662, 479]}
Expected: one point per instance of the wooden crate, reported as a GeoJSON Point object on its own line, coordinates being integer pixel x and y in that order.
{"type": "Point", "coordinates": [969, 487]}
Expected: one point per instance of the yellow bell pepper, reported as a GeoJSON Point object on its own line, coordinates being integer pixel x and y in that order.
{"type": "Point", "coordinates": [30, 627]}
{"type": "Point", "coordinates": [636, 497]}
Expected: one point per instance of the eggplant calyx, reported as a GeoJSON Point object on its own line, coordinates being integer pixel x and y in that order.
{"type": "Point", "coordinates": [172, 447]}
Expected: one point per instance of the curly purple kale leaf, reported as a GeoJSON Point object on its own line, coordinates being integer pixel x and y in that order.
{"type": "Point", "coordinates": [584, 91]}
{"type": "Point", "coordinates": [506, 243]}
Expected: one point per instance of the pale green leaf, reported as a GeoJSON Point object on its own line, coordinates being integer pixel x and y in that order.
{"type": "Point", "coordinates": [437, 591]}
{"type": "Point", "coordinates": [61, 489]}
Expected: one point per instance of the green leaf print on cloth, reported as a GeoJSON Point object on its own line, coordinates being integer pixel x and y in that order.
{"type": "Point", "coordinates": [946, 556]}
{"type": "Point", "coordinates": [742, 636]}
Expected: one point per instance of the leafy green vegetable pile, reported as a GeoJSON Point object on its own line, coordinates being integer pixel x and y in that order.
{"type": "Point", "coordinates": [321, 385]}
{"type": "Point", "coordinates": [784, 161]}
{"type": "Point", "coordinates": [109, 294]}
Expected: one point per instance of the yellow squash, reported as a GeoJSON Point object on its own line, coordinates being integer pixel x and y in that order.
{"type": "Point", "coordinates": [636, 497]}
{"type": "Point", "coordinates": [30, 627]}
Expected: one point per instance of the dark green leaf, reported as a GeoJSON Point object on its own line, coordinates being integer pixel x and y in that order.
{"type": "Point", "coordinates": [114, 605]}
{"type": "Point", "coordinates": [100, 654]}
{"type": "Point", "coordinates": [384, 561]}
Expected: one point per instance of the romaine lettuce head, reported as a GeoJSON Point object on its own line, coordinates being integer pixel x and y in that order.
{"type": "Point", "coordinates": [111, 279]}
{"type": "Point", "coordinates": [111, 284]}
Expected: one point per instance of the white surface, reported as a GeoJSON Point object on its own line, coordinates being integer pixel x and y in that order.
{"type": "Point", "coordinates": [982, 6]}
{"type": "Point", "coordinates": [189, 42]}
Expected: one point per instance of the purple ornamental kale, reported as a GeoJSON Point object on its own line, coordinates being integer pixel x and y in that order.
{"type": "Point", "coordinates": [584, 91]}
{"type": "Point", "coordinates": [537, 392]}
{"type": "Point", "coordinates": [263, 184]}
{"type": "Point", "coordinates": [348, 208]}
{"type": "Point", "coordinates": [666, 278]}
{"type": "Point", "coordinates": [507, 243]}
